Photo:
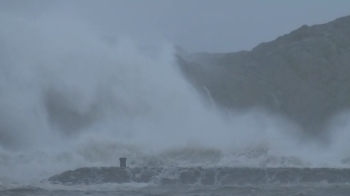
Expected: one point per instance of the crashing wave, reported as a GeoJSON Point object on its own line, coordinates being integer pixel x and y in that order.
{"type": "Point", "coordinates": [202, 176]}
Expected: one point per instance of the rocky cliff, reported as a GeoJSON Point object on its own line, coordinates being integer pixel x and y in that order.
{"type": "Point", "coordinates": [303, 75]}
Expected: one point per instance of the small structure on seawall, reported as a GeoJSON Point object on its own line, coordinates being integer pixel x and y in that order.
{"type": "Point", "coordinates": [122, 161]}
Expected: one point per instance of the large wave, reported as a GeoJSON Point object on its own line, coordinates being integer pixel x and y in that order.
{"type": "Point", "coordinates": [70, 99]}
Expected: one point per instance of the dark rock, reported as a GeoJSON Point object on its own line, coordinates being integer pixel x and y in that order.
{"type": "Point", "coordinates": [303, 75]}
{"type": "Point", "coordinates": [116, 175]}
{"type": "Point", "coordinates": [208, 176]}
{"type": "Point", "coordinates": [92, 176]}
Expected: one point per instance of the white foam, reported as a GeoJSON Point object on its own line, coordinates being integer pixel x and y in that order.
{"type": "Point", "coordinates": [69, 100]}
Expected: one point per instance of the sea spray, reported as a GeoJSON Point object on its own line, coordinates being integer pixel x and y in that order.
{"type": "Point", "coordinates": [69, 100]}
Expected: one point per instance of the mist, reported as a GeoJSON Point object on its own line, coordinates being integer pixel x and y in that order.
{"type": "Point", "coordinates": [208, 26]}
{"type": "Point", "coordinates": [71, 98]}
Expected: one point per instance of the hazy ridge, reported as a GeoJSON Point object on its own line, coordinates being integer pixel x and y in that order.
{"type": "Point", "coordinates": [302, 75]}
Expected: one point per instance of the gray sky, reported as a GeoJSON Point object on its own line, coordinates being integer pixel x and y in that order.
{"type": "Point", "coordinates": [196, 25]}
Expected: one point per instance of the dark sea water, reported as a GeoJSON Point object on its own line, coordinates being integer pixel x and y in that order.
{"type": "Point", "coordinates": [192, 182]}
{"type": "Point", "coordinates": [263, 190]}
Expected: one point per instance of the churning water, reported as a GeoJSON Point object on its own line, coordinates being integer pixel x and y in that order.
{"type": "Point", "coordinates": [70, 99]}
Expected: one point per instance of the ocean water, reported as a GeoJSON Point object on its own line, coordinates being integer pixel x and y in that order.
{"type": "Point", "coordinates": [69, 99]}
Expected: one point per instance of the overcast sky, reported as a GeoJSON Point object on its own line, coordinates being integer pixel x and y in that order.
{"type": "Point", "coordinates": [196, 25]}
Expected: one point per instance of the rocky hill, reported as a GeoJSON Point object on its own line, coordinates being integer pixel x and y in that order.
{"type": "Point", "coordinates": [304, 75]}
